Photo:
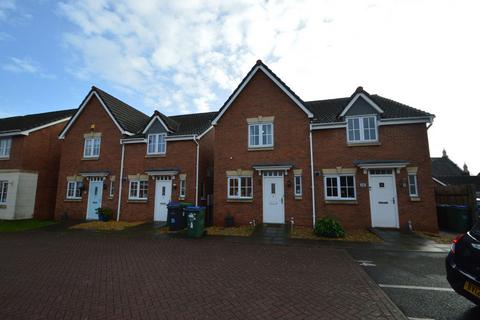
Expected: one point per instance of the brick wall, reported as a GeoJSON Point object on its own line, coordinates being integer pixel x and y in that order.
{"type": "Point", "coordinates": [71, 162]}
{"type": "Point", "coordinates": [397, 142]}
{"type": "Point", "coordinates": [261, 97]}
{"type": "Point", "coordinates": [180, 154]}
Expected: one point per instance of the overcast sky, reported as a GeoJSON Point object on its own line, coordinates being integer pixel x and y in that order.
{"type": "Point", "coordinates": [188, 56]}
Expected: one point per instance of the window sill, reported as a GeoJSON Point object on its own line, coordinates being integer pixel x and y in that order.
{"type": "Point", "coordinates": [160, 155]}
{"type": "Point", "coordinates": [73, 200]}
{"type": "Point", "coordinates": [363, 144]}
{"type": "Point", "coordinates": [298, 197]}
{"type": "Point", "coordinates": [137, 200]}
{"type": "Point", "coordinates": [240, 200]}
{"type": "Point", "coordinates": [4, 158]}
{"type": "Point", "coordinates": [415, 199]}
{"type": "Point", "coordinates": [110, 198]}
{"type": "Point", "coordinates": [181, 198]}
{"type": "Point", "coordinates": [3, 206]}
{"type": "Point", "coordinates": [90, 158]}
{"type": "Point", "coordinates": [341, 201]}
{"type": "Point", "coordinates": [260, 148]}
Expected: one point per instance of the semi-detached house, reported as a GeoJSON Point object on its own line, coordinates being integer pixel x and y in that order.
{"type": "Point", "coordinates": [363, 159]}
{"type": "Point", "coordinates": [115, 156]}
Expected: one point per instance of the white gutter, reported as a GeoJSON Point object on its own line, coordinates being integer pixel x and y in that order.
{"type": "Point", "coordinates": [196, 171]}
{"type": "Point", "coordinates": [120, 183]}
{"type": "Point", "coordinates": [312, 177]}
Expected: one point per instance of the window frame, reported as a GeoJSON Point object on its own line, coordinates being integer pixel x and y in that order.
{"type": "Point", "coordinates": [239, 196]}
{"type": "Point", "coordinates": [3, 191]}
{"type": "Point", "coordinates": [5, 153]}
{"type": "Point", "coordinates": [155, 144]}
{"type": "Point", "coordinates": [92, 155]}
{"type": "Point", "coordinates": [137, 193]}
{"type": "Point", "coordinates": [182, 192]}
{"type": "Point", "coordinates": [297, 184]}
{"type": "Point", "coordinates": [416, 194]}
{"type": "Point", "coordinates": [362, 128]}
{"type": "Point", "coordinates": [111, 192]}
{"type": "Point", "coordinates": [339, 187]}
{"type": "Point", "coordinates": [260, 135]}
{"type": "Point", "coordinates": [76, 189]}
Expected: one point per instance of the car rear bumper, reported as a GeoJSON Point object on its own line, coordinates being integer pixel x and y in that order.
{"type": "Point", "coordinates": [457, 279]}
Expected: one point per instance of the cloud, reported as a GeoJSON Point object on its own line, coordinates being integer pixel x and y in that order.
{"type": "Point", "coordinates": [187, 56]}
{"type": "Point", "coordinates": [25, 65]}
{"type": "Point", "coordinates": [6, 7]}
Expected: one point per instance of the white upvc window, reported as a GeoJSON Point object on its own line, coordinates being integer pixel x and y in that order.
{"type": "Point", "coordinates": [3, 191]}
{"type": "Point", "coordinates": [260, 135]}
{"type": "Point", "coordinates": [412, 185]}
{"type": "Point", "coordinates": [92, 147]}
{"type": "Point", "coordinates": [340, 187]}
{"type": "Point", "coordinates": [112, 189]}
{"type": "Point", "coordinates": [362, 129]}
{"type": "Point", "coordinates": [74, 189]}
{"type": "Point", "coordinates": [298, 185]}
{"type": "Point", "coordinates": [138, 190]}
{"type": "Point", "coordinates": [156, 143]}
{"type": "Point", "coordinates": [5, 145]}
{"type": "Point", "coordinates": [240, 187]}
{"type": "Point", "coordinates": [183, 187]}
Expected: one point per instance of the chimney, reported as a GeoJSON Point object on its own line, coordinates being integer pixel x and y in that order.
{"type": "Point", "coordinates": [444, 153]}
{"type": "Point", "coordinates": [465, 169]}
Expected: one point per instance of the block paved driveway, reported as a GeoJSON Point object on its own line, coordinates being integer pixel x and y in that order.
{"type": "Point", "coordinates": [87, 275]}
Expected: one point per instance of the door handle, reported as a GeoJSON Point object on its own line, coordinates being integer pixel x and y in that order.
{"type": "Point", "coordinates": [393, 200]}
{"type": "Point", "coordinates": [281, 200]}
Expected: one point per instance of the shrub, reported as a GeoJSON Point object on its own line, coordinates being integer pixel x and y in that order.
{"type": "Point", "coordinates": [104, 213]}
{"type": "Point", "coordinates": [329, 227]}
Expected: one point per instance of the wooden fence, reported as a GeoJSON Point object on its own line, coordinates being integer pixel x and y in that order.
{"type": "Point", "coordinates": [457, 195]}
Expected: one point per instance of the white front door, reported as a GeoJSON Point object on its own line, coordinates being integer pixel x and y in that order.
{"type": "Point", "coordinates": [273, 200]}
{"type": "Point", "coordinates": [383, 200]}
{"type": "Point", "coordinates": [163, 195]}
{"type": "Point", "coordinates": [95, 191]}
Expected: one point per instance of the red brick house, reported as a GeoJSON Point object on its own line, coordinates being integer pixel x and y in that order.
{"type": "Point", "coordinates": [117, 157]}
{"type": "Point", "coordinates": [29, 159]}
{"type": "Point", "coordinates": [278, 159]}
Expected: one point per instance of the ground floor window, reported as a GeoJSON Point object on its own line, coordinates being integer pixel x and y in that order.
{"type": "Point", "coordinates": [74, 189]}
{"type": "Point", "coordinates": [3, 191]}
{"type": "Point", "coordinates": [112, 189]}
{"type": "Point", "coordinates": [138, 190]}
{"type": "Point", "coordinates": [240, 188]}
{"type": "Point", "coordinates": [340, 187]}
{"type": "Point", "coordinates": [298, 185]}
{"type": "Point", "coordinates": [412, 185]}
{"type": "Point", "coordinates": [183, 186]}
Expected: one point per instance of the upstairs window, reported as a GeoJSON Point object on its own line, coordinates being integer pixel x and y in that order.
{"type": "Point", "coordinates": [183, 187]}
{"type": "Point", "coordinates": [5, 145]}
{"type": "Point", "coordinates": [260, 135]}
{"type": "Point", "coordinates": [92, 147]}
{"type": "Point", "coordinates": [362, 129]}
{"type": "Point", "coordinates": [298, 185]}
{"type": "Point", "coordinates": [156, 143]}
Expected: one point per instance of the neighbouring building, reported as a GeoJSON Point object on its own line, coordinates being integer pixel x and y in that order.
{"type": "Point", "coordinates": [278, 159]}
{"type": "Point", "coordinates": [117, 157]}
{"type": "Point", "coordinates": [29, 160]}
{"type": "Point", "coordinates": [446, 172]}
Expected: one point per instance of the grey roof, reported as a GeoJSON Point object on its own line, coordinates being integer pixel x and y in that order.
{"type": "Point", "coordinates": [194, 123]}
{"type": "Point", "coordinates": [129, 118]}
{"type": "Point", "coordinates": [363, 162]}
{"type": "Point", "coordinates": [444, 167]}
{"type": "Point", "coordinates": [327, 111]}
{"type": "Point", "coordinates": [30, 121]}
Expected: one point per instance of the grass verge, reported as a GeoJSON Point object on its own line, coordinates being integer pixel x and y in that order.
{"type": "Point", "coordinates": [354, 235]}
{"type": "Point", "coordinates": [243, 231]}
{"type": "Point", "coordinates": [23, 225]}
{"type": "Point", "coordinates": [106, 226]}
